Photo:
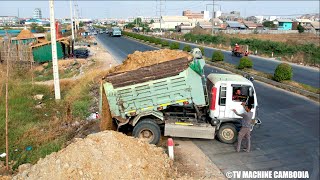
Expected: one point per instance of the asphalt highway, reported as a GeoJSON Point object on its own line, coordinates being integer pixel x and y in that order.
{"type": "Point", "coordinates": [288, 139]}
{"type": "Point", "coordinates": [302, 74]}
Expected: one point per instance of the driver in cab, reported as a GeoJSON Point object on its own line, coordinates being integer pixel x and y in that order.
{"type": "Point", "coordinates": [237, 96]}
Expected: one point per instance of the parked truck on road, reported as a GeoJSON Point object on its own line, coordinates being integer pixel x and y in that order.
{"type": "Point", "coordinates": [114, 31]}
{"type": "Point", "coordinates": [175, 98]}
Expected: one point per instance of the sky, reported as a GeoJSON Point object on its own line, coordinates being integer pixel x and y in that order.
{"type": "Point", "coordinates": [125, 9]}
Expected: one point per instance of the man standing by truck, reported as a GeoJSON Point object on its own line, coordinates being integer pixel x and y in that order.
{"type": "Point", "coordinates": [245, 126]}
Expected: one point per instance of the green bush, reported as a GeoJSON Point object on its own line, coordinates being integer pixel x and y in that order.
{"type": "Point", "coordinates": [217, 56]}
{"type": "Point", "coordinates": [174, 45]}
{"type": "Point", "coordinates": [157, 41]}
{"type": "Point", "coordinates": [202, 50]}
{"type": "Point", "coordinates": [283, 72]}
{"type": "Point", "coordinates": [187, 48]}
{"type": "Point", "coordinates": [245, 62]}
{"type": "Point", "coordinates": [164, 43]}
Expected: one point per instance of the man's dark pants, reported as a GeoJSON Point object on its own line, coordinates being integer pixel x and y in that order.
{"type": "Point", "coordinates": [244, 133]}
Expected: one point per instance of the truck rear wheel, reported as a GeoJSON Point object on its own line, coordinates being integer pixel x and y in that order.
{"type": "Point", "coordinates": [148, 131]}
{"type": "Point", "coordinates": [227, 133]}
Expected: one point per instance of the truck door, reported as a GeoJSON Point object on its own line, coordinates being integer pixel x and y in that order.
{"type": "Point", "coordinates": [235, 96]}
{"type": "Point", "coordinates": [222, 100]}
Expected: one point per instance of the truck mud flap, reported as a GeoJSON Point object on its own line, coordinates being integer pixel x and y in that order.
{"type": "Point", "coordinates": [202, 131]}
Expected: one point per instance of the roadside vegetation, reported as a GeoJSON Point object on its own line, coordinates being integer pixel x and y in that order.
{"type": "Point", "coordinates": [217, 56]}
{"type": "Point", "coordinates": [245, 62]}
{"type": "Point", "coordinates": [40, 126]}
{"type": "Point", "coordinates": [311, 52]}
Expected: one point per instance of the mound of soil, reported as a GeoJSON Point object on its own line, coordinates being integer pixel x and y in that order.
{"type": "Point", "coordinates": [105, 155]}
{"type": "Point", "coordinates": [141, 59]}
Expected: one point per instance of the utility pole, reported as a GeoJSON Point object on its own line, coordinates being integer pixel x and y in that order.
{"type": "Point", "coordinates": [7, 103]}
{"type": "Point", "coordinates": [212, 31]}
{"type": "Point", "coordinates": [56, 81]}
{"type": "Point", "coordinates": [71, 18]}
{"type": "Point", "coordinates": [160, 17]}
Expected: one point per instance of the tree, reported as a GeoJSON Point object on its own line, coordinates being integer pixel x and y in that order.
{"type": "Point", "coordinates": [269, 24]}
{"type": "Point", "coordinates": [33, 26]}
{"type": "Point", "coordinates": [138, 21]}
{"type": "Point", "coordinates": [40, 29]}
{"type": "Point", "coordinates": [300, 28]}
{"type": "Point", "coordinates": [152, 21]}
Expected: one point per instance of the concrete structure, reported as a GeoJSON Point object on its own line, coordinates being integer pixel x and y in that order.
{"type": "Point", "coordinates": [37, 13]}
{"type": "Point", "coordinates": [284, 24]}
{"type": "Point", "coordinates": [8, 20]}
{"type": "Point", "coordinates": [37, 21]}
{"type": "Point", "coordinates": [316, 26]}
{"type": "Point", "coordinates": [206, 15]}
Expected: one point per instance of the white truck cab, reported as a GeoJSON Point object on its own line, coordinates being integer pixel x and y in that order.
{"type": "Point", "coordinates": [225, 93]}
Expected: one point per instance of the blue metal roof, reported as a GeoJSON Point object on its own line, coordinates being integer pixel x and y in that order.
{"type": "Point", "coordinates": [235, 24]}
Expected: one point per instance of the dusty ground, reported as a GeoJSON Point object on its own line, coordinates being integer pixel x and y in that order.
{"type": "Point", "coordinates": [190, 161]}
{"type": "Point", "coordinates": [106, 154]}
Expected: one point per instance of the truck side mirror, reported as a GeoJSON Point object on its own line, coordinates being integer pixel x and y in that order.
{"type": "Point", "coordinates": [250, 91]}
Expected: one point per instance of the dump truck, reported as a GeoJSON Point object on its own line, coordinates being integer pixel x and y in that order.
{"type": "Point", "coordinates": [240, 50]}
{"type": "Point", "coordinates": [174, 98]}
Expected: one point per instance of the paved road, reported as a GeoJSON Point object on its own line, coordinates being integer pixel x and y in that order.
{"type": "Point", "coordinates": [288, 139]}
{"type": "Point", "coordinates": [301, 74]}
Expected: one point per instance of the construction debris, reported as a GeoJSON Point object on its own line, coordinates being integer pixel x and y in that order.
{"type": "Point", "coordinates": [107, 154]}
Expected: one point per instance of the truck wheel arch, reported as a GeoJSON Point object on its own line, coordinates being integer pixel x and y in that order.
{"type": "Point", "coordinates": [149, 114]}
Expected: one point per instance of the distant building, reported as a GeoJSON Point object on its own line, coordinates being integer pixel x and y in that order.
{"type": "Point", "coordinates": [144, 19]}
{"type": "Point", "coordinates": [284, 24]}
{"type": "Point", "coordinates": [37, 21]}
{"type": "Point", "coordinates": [316, 26]}
{"type": "Point", "coordinates": [37, 13]}
{"type": "Point", "coordinates": [304, 22]}
{"type": "Point", "coordinates": [232, 16]}
{"type": "Point", "coordinates": [217, 24]}
{"type": "Point", "coordinates": [235, 25]}
{"type": "Point", "coordinates": [8, 20]}
{"type": "Point", "coordinates": [255, 19]}
{"type": "Point", "coordinates": [170, 22]}
{"type": "Point", "coordinates": [252, 25]}
{"type": "Point", "coordinates": [272, 18]}
{"type": "Point", "coordinates": [194, 15]}
{"type": "Point", "coordinates": [217, 14]}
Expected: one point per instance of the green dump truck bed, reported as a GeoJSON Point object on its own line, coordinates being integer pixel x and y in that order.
{"type": "Point", "coordinates": [153, 87]}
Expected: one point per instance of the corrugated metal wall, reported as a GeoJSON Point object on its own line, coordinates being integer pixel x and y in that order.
{"type": "Point", "coordinates": [44, 54]}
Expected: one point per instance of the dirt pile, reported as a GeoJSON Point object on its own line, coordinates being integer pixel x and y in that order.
{"type": "Point", "coordinates": [141, 59]}
{"type": "Point", "coordinates": [107, 154]}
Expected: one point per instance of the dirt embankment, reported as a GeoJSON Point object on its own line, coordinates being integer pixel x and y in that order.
{"type": "Point", "coordinates": [107, 154]}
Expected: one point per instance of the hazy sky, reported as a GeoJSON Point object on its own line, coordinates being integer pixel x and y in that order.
{"type": "Point", "coordinates": [124, 9]}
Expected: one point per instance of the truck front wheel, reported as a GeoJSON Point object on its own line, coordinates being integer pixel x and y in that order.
{"type": "Point", "coordinates": [148, 131]}
{"type": "Point", "coordinates": [227, 133]}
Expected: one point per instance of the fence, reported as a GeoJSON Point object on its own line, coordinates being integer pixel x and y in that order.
{"type": "Point", "coordinates": [15, 53]}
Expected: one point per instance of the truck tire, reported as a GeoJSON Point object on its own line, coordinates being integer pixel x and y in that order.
{"type": "Point", "coordinates": [227, 133]}
{"type": "Point", "coordinates": [147, 130]}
